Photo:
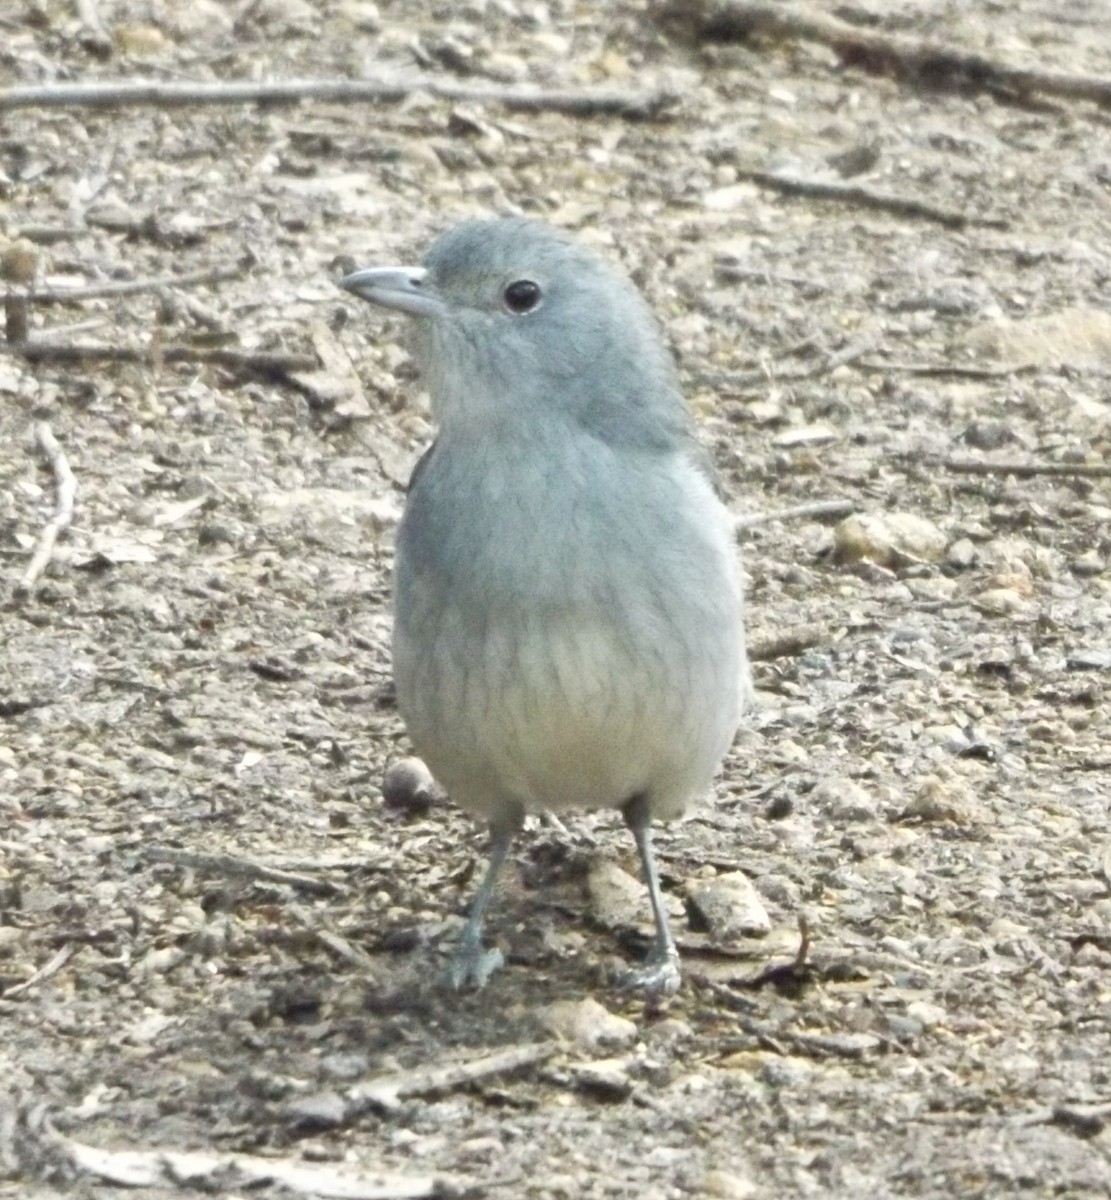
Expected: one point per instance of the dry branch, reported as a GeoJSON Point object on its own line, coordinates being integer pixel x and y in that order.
{"type": "Point", "coordinates": [863, 197]}
{"type": "Point", "coordinates": [130, 287]}
{"type": "Point", "coordinates": [241, 868]}
{"type": "Point", "coordinates": [388, 1090]}
{"type": "Point", "coordinates": [259, 361]}
{"type": "Point", "coordinates": [1025, 470]}
{"type": "Point", "coordinates": [181, 1171]}
{"type": "Point", "coordinates": [134, 92]}
{"type": "Point", "coordinates": [947, 370]}
{"type": "Point", "coordinates": [816, 508]}
{"type": "Point", "coordinates": [930, 64]}
{"type": "Point", "coordinates": [55, 964]}
{"type": "Point", "coordinates": [65, 492]}
{"type": "Point", "coordinates": [788, 644]}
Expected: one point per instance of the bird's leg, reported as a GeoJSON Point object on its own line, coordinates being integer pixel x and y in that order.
{"type": "Point", "coordinates": [471, 965]}
{"type": "Point", "coordinates": [660, 973]}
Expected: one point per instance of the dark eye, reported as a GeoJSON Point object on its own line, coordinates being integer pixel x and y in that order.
{"type": "Point", "coordinates": [522, 296]}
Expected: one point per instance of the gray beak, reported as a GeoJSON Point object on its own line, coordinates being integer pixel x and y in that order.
{"type": "Point", "coordinates": [402, 288]}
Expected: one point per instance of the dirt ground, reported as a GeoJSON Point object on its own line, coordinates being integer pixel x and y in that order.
{"type": "Point", "coordinates": [218, 943]}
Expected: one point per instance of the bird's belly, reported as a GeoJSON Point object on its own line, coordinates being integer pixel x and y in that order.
{"type": "Point", "coordinates": [577, 710]}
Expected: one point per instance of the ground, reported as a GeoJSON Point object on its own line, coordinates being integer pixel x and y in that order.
{"type": "Point", "coordinates": [215, 934]}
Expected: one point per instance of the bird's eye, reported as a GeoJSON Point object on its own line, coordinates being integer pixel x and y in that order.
{"type": "Point", "coordinates": [522, 296]}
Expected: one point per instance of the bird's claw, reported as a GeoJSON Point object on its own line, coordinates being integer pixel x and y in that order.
{"type": "Point", "coordinates": [658, 976]}
{"type": "Point", "coordinates": [471, 966]}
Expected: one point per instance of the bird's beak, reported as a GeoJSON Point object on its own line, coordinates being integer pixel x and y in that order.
{"type": "Point", "coordinates": [394, 287]}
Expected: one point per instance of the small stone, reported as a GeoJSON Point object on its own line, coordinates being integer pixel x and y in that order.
{"type": "Point", "coordinates": [787, 1071]}
{"type": "Point", "coordinates": [727, 1185]}
{"type": "Point", "coordinates": [19, 261]}
{"type": "Point", "coordinates": [1089, 564]}
{"type": "Point", "coordinates": [350, 1064]}
{"type": "Point", "coordinates": [587, 1023]}
{"type": "Point", "coordinates": [962, 554]}
{"type": "Point", "coordinates": [938, 800]}
{"type": "Point", "coordinates": [408, 786]}
{"type": "Point", "coordinates": [731, 908]}
{"type": "Point", "coordinates": [930, 1015]}
{"type": "Point", "coordinates": [617, 899]}
{"type": "Point", "coordinates": [844, 800]}
{"type": "Point", "coordinates": [608, 1079]}
{"type": "Point", "coordinates": [323, 1110]}
{"type": "Point", "coordinates": [140, 41]}
{"type": "Point", "coordinates": [889, 540]}
{"type": "Point", "coordinates": [1002, 602]}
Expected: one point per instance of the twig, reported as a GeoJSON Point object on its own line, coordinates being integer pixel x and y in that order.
{"type": "Point", "coordinates": [241, 868]}
{"type": "Point", "coordinates": [804, 943]}
{"type": "Point", "coordinates": [1024, 470]}
{"type": "Point", "coordinates": [788, 644]}
{"type": "Point", "coordinates": [17, 317]}
{"type": "Point", "coordinates": [47, 235]}
{"type": "Point", "coordinates": [934, 65]}
{"type": "Point", "coordinates": [107, 93]}
{"type": "Point", "coordinates": [950, 370]}
{"type": "Point", "coordinates": [817, 508]}
{"type": "Point", "coordinates": [52, 967]}
{"type": "Point", "coordinates": [261, 361]}
{"type": "Point", "coordinates": [855, 193]}
{"type": "Point", "coordinates": [65, 492]}
{"type": "Point", "coordinates": [164, 1167]}
{"type": "Point", "coordinates": [388, 1090]}
{"type": "Point", "coordinates": [784, 1041]}
{"type": "Point", "coordinates": [129, 287]}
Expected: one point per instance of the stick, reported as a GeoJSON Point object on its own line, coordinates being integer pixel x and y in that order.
{"type": "Point", "coordinates": [855, 193]}
{"type": "Point", "coordinates": [134, 92]}
{"type": "Point", "coordinates": [96, 291]}
{"type": "Point", "coordinates": [1025, 470]}
{"type": "Point", "coordinates": [167, 1168]}
{"type": "Point", "coordinates": [47, 235]}
{"type": "Point", "coordinates": [65, 492]}
{"type": "Point", "coordinates": [241, 868]}
{"type": "Point", "coordinates": [44, 972]}
{"type": "Point", "coordinates": [954, 370]}
{"type": "Point", "coordinates": [388, 1090]}
{"type": "Point", "coordinates": [816, 508]}
{"type": "Point", "coordinates": [17, 317]}
{"type": "Point", "coordinates": [786, 645]}
{"type": "Point", "coordinates": [263, 362]}
{"type": "Point", "coordinates": [938, 66]}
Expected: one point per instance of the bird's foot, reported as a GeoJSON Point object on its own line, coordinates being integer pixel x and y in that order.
{"type": "Point", "coordinates": [471, 966]}
{"type": "Point", "coordinates": [658, 976]}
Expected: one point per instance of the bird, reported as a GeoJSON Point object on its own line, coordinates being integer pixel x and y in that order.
{"type": "Point", "coordinates": [567, 598]}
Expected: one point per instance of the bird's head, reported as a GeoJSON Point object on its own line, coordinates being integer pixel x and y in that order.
{"type": "Point", "coordinates": [519, 326]}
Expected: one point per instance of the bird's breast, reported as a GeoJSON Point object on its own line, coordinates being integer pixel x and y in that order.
{"type": "Point", "coordinates": [569, 640]}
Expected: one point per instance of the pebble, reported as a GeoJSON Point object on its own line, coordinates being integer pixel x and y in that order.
{"type": "Point", "coordinates": [731, 907]}
{"type": "Point", "coordinates": [408, 786]}
{"type": "Point", "coordinates": [587, 1023]}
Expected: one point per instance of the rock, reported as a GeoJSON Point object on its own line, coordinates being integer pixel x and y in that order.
{"type": "Point", "coordinates": [587, 1023]}
{"type": "Point", "coordinates": [617, 899]}
{"type": "Point", "coordinates": [731, 908]}
{"type": "Point", "coordinates": [889, 540]}
{"type": "Point", "coordinates": [322, 1110]}
{"type": "Point", "coordinates": [408, 786]}
{"type": "Point", "coordinates": [844, 799]}
{"type": "Point", "coordinates": [608, 1079]}
{"type": "Point", "coordinates": [727, 1185]}
{"type": "Point", "coordinates": [1002, 602]}
{"type": "Point", "coordinates": [962, 554]}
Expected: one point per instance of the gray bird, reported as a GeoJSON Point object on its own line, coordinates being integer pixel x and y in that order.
{"type": "Point", "coordinates": [568, 624]}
